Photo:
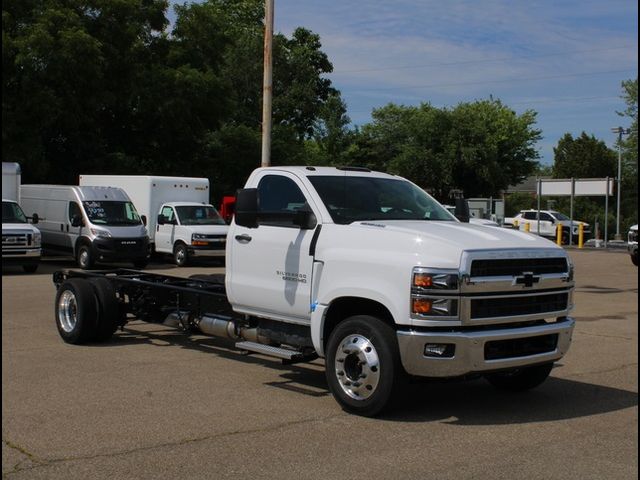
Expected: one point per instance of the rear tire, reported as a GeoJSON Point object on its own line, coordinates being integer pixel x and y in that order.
{"type": "Point", "coordinates": [76, 311]}
{"type": "Point", "coordinates": [521, 379]}
{"type": "Point", "coordinates": [108, 309]}
{"type": "Point", "coordinates": [363, 365]}
{"type": "Point", "coordinates": [85, 257]}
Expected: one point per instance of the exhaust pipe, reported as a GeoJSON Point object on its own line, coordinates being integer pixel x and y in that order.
{"type": "Point", "coordinates": [227, 328]}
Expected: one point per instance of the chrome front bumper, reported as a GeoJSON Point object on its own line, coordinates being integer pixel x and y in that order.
{"type": "Point", "coordinates": [469, 356]}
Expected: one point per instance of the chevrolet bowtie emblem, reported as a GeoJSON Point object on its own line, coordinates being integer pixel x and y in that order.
{"type": "Point", "coordinates": [527, 279]}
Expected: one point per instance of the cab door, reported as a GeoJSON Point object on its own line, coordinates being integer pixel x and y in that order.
{"type": "Point", "coordinates": [271, 266]}
{"type": "Point", "coordinates": [165, 234]}
{"type": "Point", "coordinates": [547, 225]}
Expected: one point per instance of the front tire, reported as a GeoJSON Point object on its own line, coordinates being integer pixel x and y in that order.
{"type": "Point", "coordinates": [180, 255]}
{"type": "Point", "coordinates": [363, 365]}
{"type": "Point", "coordinates": [85, 257]}
{"type": "Point", "coordinates": [521, 379]}
{"type": "Point", "coordinates": [76, 311]}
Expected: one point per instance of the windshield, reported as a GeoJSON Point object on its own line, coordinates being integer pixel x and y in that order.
{"type": "Point", "coordinates": [12, 213]}
{"type": "Point", "coordinates": [112, 213]}
{"type": "Point", "coordinates": [560, 216]}
{"type": "Point", "coordinates": [199, 215]}
{"type": "Point", "coordinates": [353, 199]}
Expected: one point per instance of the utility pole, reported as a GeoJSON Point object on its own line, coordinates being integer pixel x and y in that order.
{"type": "Point", "coordinates": [620, 131]}
{"type": "Point", "coordinates": [267, 85]}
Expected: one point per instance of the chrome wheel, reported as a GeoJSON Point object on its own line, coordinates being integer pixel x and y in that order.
{"type": "Point", "coordinates": [180, 255]}
{"type": "Point", "coordinates": [84, 258]}
{"type": "Point", "coordinates": [67, 311]}
{"type": "Point", "coordinates": [357, 367]}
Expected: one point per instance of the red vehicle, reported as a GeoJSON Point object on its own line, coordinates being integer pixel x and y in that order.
{"type": "Point", "coordinates": [228, 208]}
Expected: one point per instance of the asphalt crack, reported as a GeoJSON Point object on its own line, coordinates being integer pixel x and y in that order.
{"type": "Point", "coordinates": [30, 457]}
{"type": "Point", "coordinates": [40, 463]}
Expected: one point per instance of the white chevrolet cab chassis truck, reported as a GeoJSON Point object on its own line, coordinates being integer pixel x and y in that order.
{"type": "Point", "coordinates": [364, 269]}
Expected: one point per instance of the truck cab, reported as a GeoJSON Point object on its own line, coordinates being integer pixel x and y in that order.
{"type": "Point", "coordinates": [187, 230]}
{"type": "Point", "coordinates": [316, 246]}
{"type": "Point", "coordinates": [21, 241]}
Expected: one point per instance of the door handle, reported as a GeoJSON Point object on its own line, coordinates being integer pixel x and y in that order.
{"type": "Point", "coordinates": [244, 238]}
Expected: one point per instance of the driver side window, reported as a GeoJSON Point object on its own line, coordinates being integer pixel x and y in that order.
{"type": "Point", "coordinates": [168, 213]}
{"type": "Point", "coordinates": [278, 198]}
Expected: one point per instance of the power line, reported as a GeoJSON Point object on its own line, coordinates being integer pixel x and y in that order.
{"type": "Point", "coordinates": [514, 79]}
{"type": "Point", "coordinates": [470, 62]}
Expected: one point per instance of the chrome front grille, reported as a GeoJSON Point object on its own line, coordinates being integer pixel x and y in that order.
{"type": "Point", "coordinates": [516, 266]}
{"type": "Point", "coordinates": [517, 306]}
{"type": "Point", "coordinates": [15, 240]}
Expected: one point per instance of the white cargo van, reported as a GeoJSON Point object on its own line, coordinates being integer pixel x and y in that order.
{"type": "Point", "coordinates": [20, 240]}
{"type": "Point", "coordinates": [93, 224]}
{"type": "Point", "coordinates": [180, 219]}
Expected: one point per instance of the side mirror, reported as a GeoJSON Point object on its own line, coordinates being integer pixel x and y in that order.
{"type": "Point", "coordinates": [305, 219]}
{"type": "Point", "coordinates": [162, 219]}
{"type": "Point", "coordinates": [462, 210]}
{"type": "Point", "coordinates": [247, 207]}
{"type": "Point", "coordinates": [144, 219]}
{"type": "Point", "coordinates": [35, 218]}
{"type": "Point", "coordinates": [76, 221]}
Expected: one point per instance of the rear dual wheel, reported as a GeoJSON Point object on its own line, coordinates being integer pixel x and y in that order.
{"type": "Point", "coordinates": [86, 310]}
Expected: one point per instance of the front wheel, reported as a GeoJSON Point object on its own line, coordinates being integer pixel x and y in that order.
{"type": "Point", "coordinates": [363, 365]}
{"type": "Point", "coordinates": [520, 379]}
{"type": "Point", "coordinates": [85, 257]}
{"type": "Point", "coordinates": [180, 255]}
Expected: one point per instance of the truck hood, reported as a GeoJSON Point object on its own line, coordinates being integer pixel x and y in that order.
{"type": "Point", "coordinates": [463, 236]}
{"type": "Point", "coordinates": [19, 228]}
{"type": "Point", "coordinates": [437, 244]}
{"type": "Point", "coordinates": [208, 229]}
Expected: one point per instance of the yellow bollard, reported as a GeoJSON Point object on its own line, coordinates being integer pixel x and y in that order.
{"type": "Point", "coordinates": [515, 225]}
{"type": "Point", "coordinates": [527, 227]}
{"type": "Point", "coordinates": [559, 235]}
{"type": "Point", "coordinates": [581, 235]}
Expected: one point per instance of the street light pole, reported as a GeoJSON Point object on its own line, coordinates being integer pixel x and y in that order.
{"type": "Point", "coordinates": [267, 85]}
{"type": "Point", "coordinates": [620, 131]}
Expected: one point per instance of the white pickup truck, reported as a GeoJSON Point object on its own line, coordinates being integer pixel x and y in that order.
{"type": "Point", "coordinates": [549, 221]}
{"type": "Point", "coordinates": [364, 269]}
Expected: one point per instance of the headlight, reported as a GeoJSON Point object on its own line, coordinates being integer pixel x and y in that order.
{"type": "Point", "coordinates": [37, 239]}
{"type": "Point", "coordinates": [199, 240]}
{"type": "Point", "coordinates": [433, 294]}
{"type": "Point", "coordinates": [428, 279]}
{"type": "Point", "coordinates": [100, 233]}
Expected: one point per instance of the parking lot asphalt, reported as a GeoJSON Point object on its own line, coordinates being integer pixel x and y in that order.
{"type": "Point", "coordinates": [153, 403]}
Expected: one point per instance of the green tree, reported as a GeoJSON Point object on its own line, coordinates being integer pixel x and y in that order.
{"type": "Point", "coordinates": [480, 147]}
{"type": "Point", "coordinates": [583, 157]}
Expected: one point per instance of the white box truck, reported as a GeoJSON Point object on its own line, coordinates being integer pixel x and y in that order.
{"type": "Point", "coordinates": [93, 224]}
{"type": "Point", "coordinates": [20, 241]}
{"type": "Point", "coordinates": [384, 289]}
{"type": "Point", "coordinates": [180, 220]}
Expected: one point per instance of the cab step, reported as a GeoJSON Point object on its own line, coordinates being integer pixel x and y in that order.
{"type": "Point", "coordinates": [288, 356]}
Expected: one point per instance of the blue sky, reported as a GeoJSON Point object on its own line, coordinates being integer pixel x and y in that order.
{"type": "Point", "coordinates": [564, 59]}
